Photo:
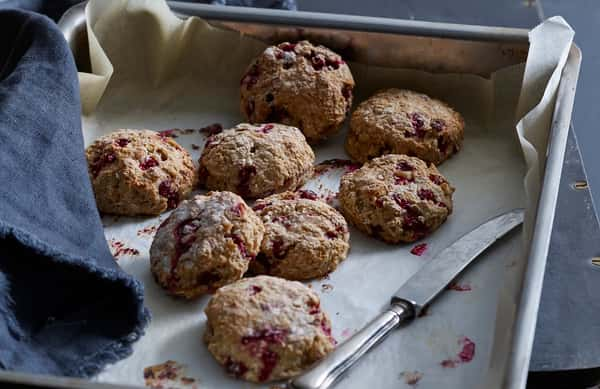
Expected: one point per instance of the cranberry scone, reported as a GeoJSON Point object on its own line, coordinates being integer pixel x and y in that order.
{"type": "Point", "coordinates": [298, 84]}
{"type": "Point", "coordinates": [400, 121]}
{"type": "Point", "coordinates": [206, 242]}
{"type": "Point", "coordinates": [396, 198]}
{"type": "Point", "coordinates": [139, 172]}
{"type": "Point", "coordinates": [255, 161]}
{"type": "Point", "coordinates": [266, 328]}
{"type": "Point", "coordinates": [304, 237]}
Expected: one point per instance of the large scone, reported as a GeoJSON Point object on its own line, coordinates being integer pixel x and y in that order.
{"type": "Point", "coordinates": [400, 121]}
{"type": "Point", "coordinates": [299, 84]}
{"type": "Point", "coordinates": [207, 242]}
{"type": "Point", "coordinates": [266, 328]}
{"type": "Point", "coordinates": [255, 161]}
{"type": "Point", "coordinates": [304, 237]}
{"type": "Point", "coordinates": [139, 172]}
{"type": "Point", "coordinates": [396, 198]}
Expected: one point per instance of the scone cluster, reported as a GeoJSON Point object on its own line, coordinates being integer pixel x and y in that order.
{"type": "Point", "coordinates": [262, 324]}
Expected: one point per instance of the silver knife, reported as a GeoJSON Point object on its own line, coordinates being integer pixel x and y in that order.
{"type": "Point", "coordinates": [409, 300]}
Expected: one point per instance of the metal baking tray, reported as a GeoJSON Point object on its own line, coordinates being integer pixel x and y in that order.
{"type": "Point", "coordinates": [483, 50]}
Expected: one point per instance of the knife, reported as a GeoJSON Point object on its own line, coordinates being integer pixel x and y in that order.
{"type": "Point", "coordinates": [409, 300]}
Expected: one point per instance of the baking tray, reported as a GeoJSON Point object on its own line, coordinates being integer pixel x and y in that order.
{"type": "Point", "coordinates": [483, 50]}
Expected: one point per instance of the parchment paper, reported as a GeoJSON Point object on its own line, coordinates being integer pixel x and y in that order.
{"type": "Point", "coordinates": [153, 70]}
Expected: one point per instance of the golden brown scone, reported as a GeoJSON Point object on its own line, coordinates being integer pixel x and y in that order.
{"type": "Point", "coordinates": [305, 86]}
{"type": "Point", "coordinates": [396, 198]}
{"type": "Point", "coordinates": [207, 242]}
{"type": "Point", "coordinates": [256, 160]}
{"type": "Point", "coordinates": [400, 121]}
{"type": "Point", "coordinates": [139, 172]}
{"type": "Point", "coordinates": [266, 328]}
{"type": "Point", "coordinates": [304, 237]}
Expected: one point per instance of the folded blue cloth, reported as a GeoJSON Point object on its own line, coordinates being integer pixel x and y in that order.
{"type": "Point", "coordinates": [66, 307]}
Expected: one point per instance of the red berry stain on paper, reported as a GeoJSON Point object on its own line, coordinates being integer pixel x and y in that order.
{"type": "Point", "coordinates": [169, 374]}
{"type": "Point", "coordinates": [465, 355]}
{"type": "Point", "coordinates": [346, 333]}
{"type": "Point", "coordinates": [212, 129]}
{"type": "Point", "coordinates": [419, 249]}
{"type": "Point", "coordinates": [168, 133]}
{"type": "Point", "coordinates": [459, 287]}
{"type": "Point", "coordinates": [148, 231]}
{"type": "Point", "coordinates": [331, 164]}
{"type": "Point", "coordinates": [118, 249]}
{"type": "Point", "coordinates": [411, 378]}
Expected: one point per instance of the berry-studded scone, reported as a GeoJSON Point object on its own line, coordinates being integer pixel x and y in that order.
{"type": "Point", "coordinates": [139, 172]}
{"type": "Point", "coordinates": [400, 121]}
{"type": "Point", "coordinates": [266, 328]}
{"type": "Point", "coordinates": [256, 160]}
{"type": "Point", "coordinates": [305, 86]}
{"type": "Point", "coordinates": [304, 237]}
{"type": "Point", "coordinates": [207, 242]}
{"type": "Point", "coordinates": [396, 198]}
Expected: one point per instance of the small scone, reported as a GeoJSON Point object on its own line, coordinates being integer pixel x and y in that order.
{"type": "Point", "coordinates": [256, 160]}
{"type": "Point", "coordinates": [396, 198]}
{"type": "Point", "coordinates": [207, 242]}
{"type": "Point", "coordinates": [305, 86]}
{"type": "Point", "coordinates": [400, 121]}
{"type": "Point", "coordinates": [139, 172]}
{"type": "Point", "coordinates": [304, 237]}
{"type": "Point", "coordinates": [266, 328]}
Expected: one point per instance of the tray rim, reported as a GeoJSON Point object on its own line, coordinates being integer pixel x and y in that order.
{"type": "Point", "coordinates": [515, 375]}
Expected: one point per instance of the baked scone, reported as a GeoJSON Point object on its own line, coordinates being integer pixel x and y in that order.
{"type": "Point", "coordinates": [256, 160]}
{"type": "Point", "coordinates": [139, 172]}
{"type": "Point", "coordinates": [305, 86]}
{"type": "Point", "coordinates": [400, 121]}
{"type": "Point", "coordinates": [266, 328]}
{"type": "Point", "coordinates": [396, 198]}
{"type": "Point", "coordinates": [304, 237]}
{"type": "Point", "coordinates": [205, 243]}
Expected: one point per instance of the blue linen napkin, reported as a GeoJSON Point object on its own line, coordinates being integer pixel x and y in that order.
{"type": "Point", "coordinates": [66, 308]}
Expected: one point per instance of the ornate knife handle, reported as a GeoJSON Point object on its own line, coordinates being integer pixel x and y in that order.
{"type": "Point", "coordinates": [328, 370]}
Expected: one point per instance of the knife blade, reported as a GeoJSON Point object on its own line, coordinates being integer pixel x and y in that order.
{"type": "Point", "coordinates": [406, 304]}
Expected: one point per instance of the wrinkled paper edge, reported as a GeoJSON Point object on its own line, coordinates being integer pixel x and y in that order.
{"type": "Point", "coordinates": [550, 45]}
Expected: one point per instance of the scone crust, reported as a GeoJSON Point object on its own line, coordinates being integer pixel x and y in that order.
{"type": "Point", "coordinates": [304, 237]}
{"type": "Point", "coordinates": [255, 161]}
{"type": "Point", "coordinates": [400, 121]}
{"type": "Point", "coordinates": [266, 328]}
{"type": "Point", "coordinates": [205, 243]}
{"type": "Point", "coordinates": [139, 172]}
{"type": "Point", "coordinates": [396, 198]}
{"type": "Point", "coordinates": [299, 84]}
